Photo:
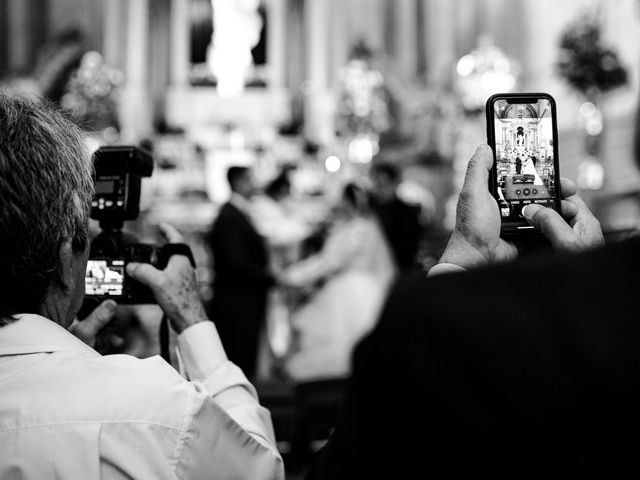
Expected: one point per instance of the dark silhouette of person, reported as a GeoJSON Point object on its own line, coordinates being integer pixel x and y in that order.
{"type": "Point", "coordinates": [242, 275]}
{"type": "Point", "coordinates": [400, 221]}
{"type": "Point", "coordinates": [461, 378]}
{"type": "Point", "coordinates": [518, 165]}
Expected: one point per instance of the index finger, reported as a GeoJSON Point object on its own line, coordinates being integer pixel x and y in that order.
{"type": "Point", "coordinates": [171, 233]}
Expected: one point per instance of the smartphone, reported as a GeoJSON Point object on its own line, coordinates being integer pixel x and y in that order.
{"type": "Point", "coordinates": [522, 130]}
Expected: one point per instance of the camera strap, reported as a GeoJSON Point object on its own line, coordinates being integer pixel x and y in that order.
{"type": "Point", "coordinates": [164, 339]}
{"type": "Point", "coordinates": [170, 249]}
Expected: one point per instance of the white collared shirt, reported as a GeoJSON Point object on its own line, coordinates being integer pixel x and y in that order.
{"type": "Point", "coordinates": [67, 412]}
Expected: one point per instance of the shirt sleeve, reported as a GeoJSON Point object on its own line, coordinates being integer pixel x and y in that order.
{"type": "Point", "coordinates": [224, 397]}
{"type": "Point", "coordinates": [442, 268]}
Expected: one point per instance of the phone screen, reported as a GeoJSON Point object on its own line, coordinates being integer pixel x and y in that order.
{"type": "Point", "coordinates": [525, 155]}
{"type": "Point", "coordinates": [104, 277]}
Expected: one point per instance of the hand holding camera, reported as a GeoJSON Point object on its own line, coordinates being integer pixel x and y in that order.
{"type": "Point", "coordinates": [122, 269]}
{"type": "Point", "coordinates": [175, 287]}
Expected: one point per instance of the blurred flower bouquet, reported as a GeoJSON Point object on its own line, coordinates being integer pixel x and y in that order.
{"type": "Point", "coordinates": [363, 105]}
{"type": "Point", "coordinates": [91, 94]}
{"type": "Point", "coordinates": [585, 63]}
{"type": "Point", "coordinates": [592, 69]}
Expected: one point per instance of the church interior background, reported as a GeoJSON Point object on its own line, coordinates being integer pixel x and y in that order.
{"type": "Point", "coordinates": [331, 87]}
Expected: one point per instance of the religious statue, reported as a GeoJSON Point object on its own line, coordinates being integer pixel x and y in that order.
{"type": "Point", "coordinates": [236, 31]}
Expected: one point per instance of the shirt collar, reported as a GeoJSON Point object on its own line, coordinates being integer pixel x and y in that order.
{"type": "Point", "coordinates": [35, 334]}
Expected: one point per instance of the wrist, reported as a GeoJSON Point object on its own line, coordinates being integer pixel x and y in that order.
{"type": "Point", "coordinates": [459, 251]}
{"type": "Point", "coordinates": [184, 320]}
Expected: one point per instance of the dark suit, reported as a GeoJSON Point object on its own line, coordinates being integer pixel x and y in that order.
{"type": "Point", "coordinates": [241, 283]}
{"type": "Point", "coordinates": [513, 371]}
{"type": "Point", "coordinates": [402, 228]}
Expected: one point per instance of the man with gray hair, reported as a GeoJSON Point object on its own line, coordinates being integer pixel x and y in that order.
{"type": "Point", "coordinates": [65, 410]}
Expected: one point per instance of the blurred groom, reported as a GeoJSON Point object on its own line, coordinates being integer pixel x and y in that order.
{"type": "Point", "coordinates": [242, 275]}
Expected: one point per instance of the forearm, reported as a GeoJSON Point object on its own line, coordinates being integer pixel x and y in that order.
{"type": "Point", "coordinates": [204, 362]}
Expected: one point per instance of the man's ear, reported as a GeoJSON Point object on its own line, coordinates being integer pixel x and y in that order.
{"type": "Point", "coordinates": [66, 259]}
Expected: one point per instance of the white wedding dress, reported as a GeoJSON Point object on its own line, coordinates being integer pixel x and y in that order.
{"type": "Point", "coordinates": [358, 267]}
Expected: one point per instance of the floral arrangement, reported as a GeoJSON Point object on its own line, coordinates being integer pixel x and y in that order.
{"type": "Point", "coordinates": [363, 104]}
{"type": "Point", "coordinates": [91, 93]}
{"type": "Point", "coordinates": [585, 63]}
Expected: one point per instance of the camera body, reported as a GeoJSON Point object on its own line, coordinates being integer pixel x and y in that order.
{"type": "Point", "coordinates": [118, 173]}
{"type": "Point", "coordinates": [106, 275]}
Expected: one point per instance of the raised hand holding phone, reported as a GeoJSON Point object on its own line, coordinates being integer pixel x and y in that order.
{"type": "Point", "coordinates": [476, 239]}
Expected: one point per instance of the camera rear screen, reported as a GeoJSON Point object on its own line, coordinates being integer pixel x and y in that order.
{"type": "Point", "coordinates": [104, 278]}
{"type": "Point", "coordinates": [524, 156]}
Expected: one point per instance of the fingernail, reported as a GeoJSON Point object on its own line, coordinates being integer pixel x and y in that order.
{"type": "Point", "coordinates": [483, 147]}
{"type": "Point", "coordinates": [530, 210]}
{"type": "Point", "coordinates": [110, 306]}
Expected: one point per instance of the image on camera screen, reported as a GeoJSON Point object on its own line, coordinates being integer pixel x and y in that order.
{"type": "Point", "coordinates": [524, 156]}
{"type": "Point", "coordinates": [104, 278]}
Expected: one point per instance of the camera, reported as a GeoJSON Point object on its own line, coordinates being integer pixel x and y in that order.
{"type": "Point", "coordinates": [118, 173]}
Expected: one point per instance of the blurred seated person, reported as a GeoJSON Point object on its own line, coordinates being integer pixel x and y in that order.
{"type": "Point", "coordinates": [66, 411]}
{"type": "Point", "coordinates": [400, 221]}
{"type": "Point", "coordinates": [471, 372]}
{"type": "Point", "coordinates": [354, 269]}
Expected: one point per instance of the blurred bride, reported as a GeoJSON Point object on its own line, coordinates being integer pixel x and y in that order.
{"type": "Point", "coordinates": [354, 269]}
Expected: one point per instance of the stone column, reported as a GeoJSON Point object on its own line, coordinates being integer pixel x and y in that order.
{"type": "Point", "coordinates": [113, 49]}
{"type": "Point", "coordinates": [135, 103]}
{"type": "Point", "coordinates": [441, 43]}
{"type": "Point", "coordinates": [406, 39]}
{"type": "Point", "coordinates": [18, 33]}
{"type": "Point", "coordinates": [179, 43]}
{"type": "Point", "coordinates": [319, 104]}
{"type": "Point", "coordinates": [276, 39]}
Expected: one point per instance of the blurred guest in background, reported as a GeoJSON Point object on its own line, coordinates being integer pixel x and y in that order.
{"type": "Point", "coordinates": [355, 268]}
{"type": "Point", "coordinates": [400, 221]}
{"type": "Point", "coordinates": [242, 274]}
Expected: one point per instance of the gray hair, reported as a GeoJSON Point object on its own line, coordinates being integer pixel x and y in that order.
{"type": "Point", "coordinates": [45, 199]}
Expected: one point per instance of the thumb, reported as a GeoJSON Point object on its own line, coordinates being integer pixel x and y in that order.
{"type": "Point", "coordinates": [143, 272]}
{"type": "Point", "coordinates": [102, 315]}
{"type": "Point", "coordinates": [477, 177]}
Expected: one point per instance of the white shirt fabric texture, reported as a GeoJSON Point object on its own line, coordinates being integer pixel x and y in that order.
{"type": "Point", "coordinates": [67, 412]}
